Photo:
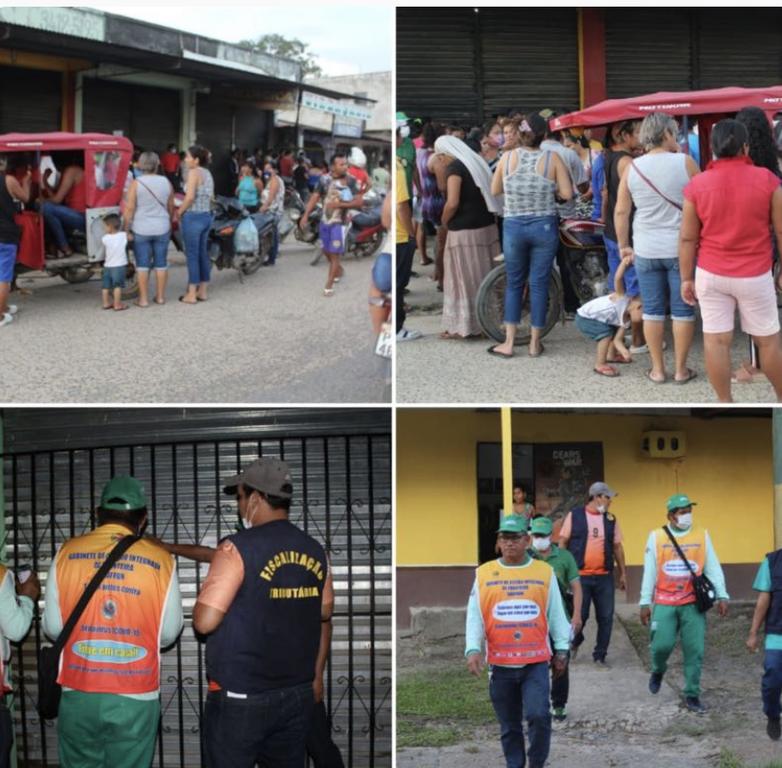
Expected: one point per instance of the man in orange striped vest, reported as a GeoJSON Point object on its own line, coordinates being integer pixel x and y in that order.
{"type": "Point", "coordinates": [667, 586]}
{"type": "Point", "coordinates": [514, 605]}
{"type": "Point", "coordinates": [110, 666]}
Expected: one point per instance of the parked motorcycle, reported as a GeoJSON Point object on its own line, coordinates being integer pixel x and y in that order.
{"type": "Point", "coordinates": [584, 264]}
{"type": "Point", "coordinates": [227, 247]}
{"type": "Point", "coordinates": [294, 209]}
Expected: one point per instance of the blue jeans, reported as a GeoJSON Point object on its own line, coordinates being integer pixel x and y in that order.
{"type": "Point", "coordinates": [61, 218]}
{"type": "Point", "coordinates": [771, 684]}
{"type": "Point", "coordinates": [273, 253]}
{"type": "Point", "coordinates": [151, 250]}
{"type": "Point", "coordinates": [530, 245]}
{"type": "Point", "coordinates": [599, 589]}
{"type": "Point", "coordinates": [660, 284]}
{"type": "Point", "coordinates": [630, 278]}
{"type": "Point", "coordinates": [404, 266]}
{"type": "Point", "coordinates": [516, 693]}
{"type": "Point", "coordinates": [195, 233]}
{"type": "Point", "coordinates": [266, 728]}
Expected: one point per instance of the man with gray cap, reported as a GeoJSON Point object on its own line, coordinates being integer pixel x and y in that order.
{"type": "Point", "coordinates": [262, 605]}
{"type": "Point", "coordinates": [592, 535]}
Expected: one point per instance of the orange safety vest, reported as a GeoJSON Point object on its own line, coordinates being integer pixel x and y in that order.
{"type": "Point", "coordinates": [114, 647]}
{"type": "Point", "coordinates": [674, 579]}
{"type": "Point", "coordinates": [513, 602]}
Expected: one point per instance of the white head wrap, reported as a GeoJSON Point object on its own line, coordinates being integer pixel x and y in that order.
{"type": "Point", "coordinates": [476, 165]}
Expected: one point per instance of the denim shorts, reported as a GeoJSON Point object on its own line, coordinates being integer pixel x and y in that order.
{"type": "Point", "coordinates": [595, 329]}
{"type": "Point", "coordinates": [7, 261]}
{"type": "Point", "coordinates": [151, 251]}
{"type": "Point", "coordinates": [332, 237]}
{"type": "Point", "coordinates": [381, 273]}
{"type": "Point", "coordinates": [114, 277]}
{"type": "Point", "coordinates": [661, 287]}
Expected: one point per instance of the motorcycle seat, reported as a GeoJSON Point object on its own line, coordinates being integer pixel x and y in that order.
{"type": "Point", "coordinates": [366, 220]}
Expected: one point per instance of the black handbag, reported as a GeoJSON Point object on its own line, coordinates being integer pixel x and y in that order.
{"type": "Point", "coordinates": [49, 690]}
{"type": "Point", "coordinates": [705, 594]}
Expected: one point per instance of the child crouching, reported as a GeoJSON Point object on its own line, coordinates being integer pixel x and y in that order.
{"type": "Point", "coordinates": [603, 319]}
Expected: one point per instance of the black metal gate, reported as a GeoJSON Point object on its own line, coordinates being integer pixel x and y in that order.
{"type": "Point", "coordinates": [342, 497]}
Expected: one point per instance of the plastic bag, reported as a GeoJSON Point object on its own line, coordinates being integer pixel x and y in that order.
{"type": "Point", "coordinates": [246, 237]}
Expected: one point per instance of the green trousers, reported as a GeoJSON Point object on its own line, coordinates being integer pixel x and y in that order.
{"type": "Point", "coordinates": [104, 730]}
{"type": "Point", "coordinates": [689, 624]}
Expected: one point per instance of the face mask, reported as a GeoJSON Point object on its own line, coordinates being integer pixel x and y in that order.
{"type": "Point", "coordinates": [266, 176]}
{"type": "Point", "coordinates": [684, 520]}
{"type": "Point", "coordinates": [497, 140]}
{"type": "Point", "coordinates": [404, 131]}
{"type": "Point", "coordinates": [601, 508]}
{"type": "Point", "coordinates": [541, 544]}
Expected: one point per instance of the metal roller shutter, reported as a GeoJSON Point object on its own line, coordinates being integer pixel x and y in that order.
{"type": "Point", "coordinates": [30, 100]}
{"type": "Point", "coordinates": [529, 59]}
{"type": "Point", "coordinates": [341, 463]}
{"type": "Point", "coordinates": [215, 132]}
{"type": "Point", "coordinates": [741, 48]}
{"type": "Point", "coordinates": [435, 64]}
{"type": "Point", "coordinates": [148, 116]}
{"type": "Point", "coordinates": [646, 51]}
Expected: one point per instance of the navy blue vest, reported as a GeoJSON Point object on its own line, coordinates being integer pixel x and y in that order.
{"type": "Point", "coordinates": [270, 636]}
{"type": "Point", "coordinates": [579, 533]}
{"type": "Point", "coordinates": [774, 615]}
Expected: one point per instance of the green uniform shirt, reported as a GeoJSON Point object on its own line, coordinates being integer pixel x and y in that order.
{"type": "Point", "coordinates": [564, 565]}
{"type": "Point", "coordinates": [762, 583]}
{"type": "Point", "coordinates": [406, 153]}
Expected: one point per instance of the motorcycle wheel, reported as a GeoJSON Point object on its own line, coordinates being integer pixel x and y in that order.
{"type": "Point", "coordinates": [76, 275]}
{"type": "Point", "coordinates": [252, 264]}
{"type": "Point", "coordinates": [490, 305]}
{"type": "Point", "coordinates": [367, 249]}
{"type": "Point", "coordinates": [130, 291]}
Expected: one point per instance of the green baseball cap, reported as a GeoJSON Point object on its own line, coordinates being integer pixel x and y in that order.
{"type": "Point", "coordinates": [123, 494]}
{"type": "Point", "coordinates": [678, 501]}
{"type": "Point", "coordinates": [513, 524]}
{"type": "Point", "coordinates": [540, 526]}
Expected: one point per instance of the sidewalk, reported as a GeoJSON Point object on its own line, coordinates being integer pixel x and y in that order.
{"type": "Point", "coordinates": [433, 370]}
{"type": "Point", "coordinates": [614, 721]}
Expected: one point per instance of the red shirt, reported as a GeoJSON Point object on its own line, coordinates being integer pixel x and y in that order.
{"type": "Point", "coordinates": [733, 201]}
{"type": "Point", "coordinates": [360, 175]}
{"type": "Point", "coordinates": [286, 165]}
{"type": "Point", "coordinates": [170, 162]}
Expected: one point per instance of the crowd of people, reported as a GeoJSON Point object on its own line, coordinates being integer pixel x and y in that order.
{"type": "Point", "coordinates": [527, 610]}
{"type": "Point", "coordinates": [686, 238]}
{"type": "Point", "coordinates": [264, 612]}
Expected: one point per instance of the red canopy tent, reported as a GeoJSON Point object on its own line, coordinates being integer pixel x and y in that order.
{"type": "Point", "coordinates": [711, 102]}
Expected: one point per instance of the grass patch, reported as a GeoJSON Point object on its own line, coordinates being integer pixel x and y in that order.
{"type": "Point", "coordinates": [437, 708]}
{"type": "Point", "coordinates": [729, 759]}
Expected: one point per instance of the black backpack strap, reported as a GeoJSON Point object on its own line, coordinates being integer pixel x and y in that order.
{"type": "Point", "coordinates": [679, 550]}
{"type": "Point", "coordinates": [120, 548]}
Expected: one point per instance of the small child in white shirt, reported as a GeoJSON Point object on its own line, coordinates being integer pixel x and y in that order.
{"type": "Point", "coordinates": [116, 263]}
{"type": "Point", "coordinates": [603, 320]}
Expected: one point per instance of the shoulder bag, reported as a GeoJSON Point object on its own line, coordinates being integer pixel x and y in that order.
{"type": "Point", "coordinates": [705, 594]}
{"type": "Point", "coordinates": [49, 690]}
{"type": "Point", "coordinates": [649, 182]}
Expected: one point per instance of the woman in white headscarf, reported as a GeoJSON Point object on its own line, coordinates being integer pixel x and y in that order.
{"type": "Point", "coordinates": [472, 241]}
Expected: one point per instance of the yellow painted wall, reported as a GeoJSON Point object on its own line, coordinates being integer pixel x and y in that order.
{"type": "Point", "coordinates": [728, 470]}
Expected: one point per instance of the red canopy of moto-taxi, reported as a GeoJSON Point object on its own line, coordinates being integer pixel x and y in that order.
{"type": "Point", "coordinates": [103, 182]}
{"type": "Point", "coordinates": [715, 101]}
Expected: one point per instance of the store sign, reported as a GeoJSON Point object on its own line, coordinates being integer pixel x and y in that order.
{"type": "Point", "coordinates": [63, 21]}
{"type": "Point", "coordinates": [347, 126]}
{"type": "Point", "coordinates": [334, 107]}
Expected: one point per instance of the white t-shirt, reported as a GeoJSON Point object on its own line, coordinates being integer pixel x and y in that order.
{"type": "Point", "coordinates": [115, 245]}
{"type": "Point", "coordinates": [605, 309]}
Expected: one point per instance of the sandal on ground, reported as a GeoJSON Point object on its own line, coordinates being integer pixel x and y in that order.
{"type": "Point", "coordinates": [690, 376]}
{"type": "Point", "coordinates": [111, 306]}
{"type": "Point", "coordinates": [159, 302]}
{"type": "Point", "coordinates": [648, 375]}
{"type": "Point", "coordinates": [426, 262]}
{"type": "Point", "coordinates": [539, 352]}
{"type": "Point", "coordinates": [452, 336]}
{"type": "Point", "coordinates": [198, 298]}
{"type": "Point", "coordinates": [606, 370]}
{"type": "Point", "coordinates": [182, 299]}
{"type": "Point", "coordinates": [493, 351]}
{"type": "Point", "coordinates": [745, 374]}
{"type": "Point", "coordinates": [328, 291]}
{"type": "Point", "coordinates": [139, 304]}
{"type": "Point", "coordinates": [121, 308]}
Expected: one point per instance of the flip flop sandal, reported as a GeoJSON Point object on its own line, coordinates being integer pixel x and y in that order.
{"type": "Point", "coordinates": [538, 353]}
{"type": "Point", "coordinates": [159, 302]}
{"type": "Point", "coordinates": [690, 376]}
{"type": "Point", "coordinates": [143, 306]}
{"type": "Point", "coordinates": [328, 291]}
{"type": "Point", "coordinates": [182, 299]}
{"type": "Point", "coordinates": [648, 375]}
{"type": "Point", "coordinates": [607, 371]}
{"type": "Point", "coordinates": [122, 308]}
{"type": "Point", "coordinates": [493, 351]}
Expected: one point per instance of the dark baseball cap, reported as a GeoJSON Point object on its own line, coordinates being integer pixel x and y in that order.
{"type": "Point", "coordinates": [123, 494]}
{"type": "Point", "coordinates": [266, 475]}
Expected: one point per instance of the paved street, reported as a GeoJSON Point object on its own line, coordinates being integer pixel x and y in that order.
{"type": "Point", "coordinates": [432, 370]}
{"type": "Point", "coordinates": [274, 338]}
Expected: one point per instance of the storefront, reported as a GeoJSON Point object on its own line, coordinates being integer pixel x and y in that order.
{"type": "Point", "coordinates": [449, 486]}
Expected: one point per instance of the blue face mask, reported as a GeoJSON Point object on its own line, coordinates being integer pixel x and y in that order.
{"type": "Point", "coordinates": [266, 176]}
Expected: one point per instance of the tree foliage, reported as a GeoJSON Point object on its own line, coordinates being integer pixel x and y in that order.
{"type": "Point", "coordinates": [293, 48]}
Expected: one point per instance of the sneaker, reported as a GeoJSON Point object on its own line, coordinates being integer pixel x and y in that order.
{"type": "Point", "coordinates": [406, 335]}
{"type": "Point", "coordinates": [12, 309]}
{"type": "Point", "coordinates": [6, 318]}
{"type": "Point", "coordinates": [655, 681]}
{"type": "Point", "coordinates": [693, 704]}
{"type": "Point", "coordinates": [559, 714]}
{"type": "Point", "coordinates": [773, 728]}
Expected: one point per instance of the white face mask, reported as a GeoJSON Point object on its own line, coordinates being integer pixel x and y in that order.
{"type": "Point", "coordinates": [601, 508]}
{"type": "Point", "coordinates": [541, 544]}
{"type": "Point", "coordinates": [404, 131]}
{"type": "Point", "coordinates": [684, 520]}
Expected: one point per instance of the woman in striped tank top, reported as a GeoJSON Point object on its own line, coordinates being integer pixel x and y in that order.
{"type": "Point", "coordinates": [532, 182]}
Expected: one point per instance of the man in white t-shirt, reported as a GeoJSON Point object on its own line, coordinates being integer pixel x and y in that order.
{"type": "Point", "coordinates": [115, 264]}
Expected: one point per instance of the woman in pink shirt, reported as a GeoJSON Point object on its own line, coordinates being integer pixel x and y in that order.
{"type": "Point", "coordinates": [727, 213]}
